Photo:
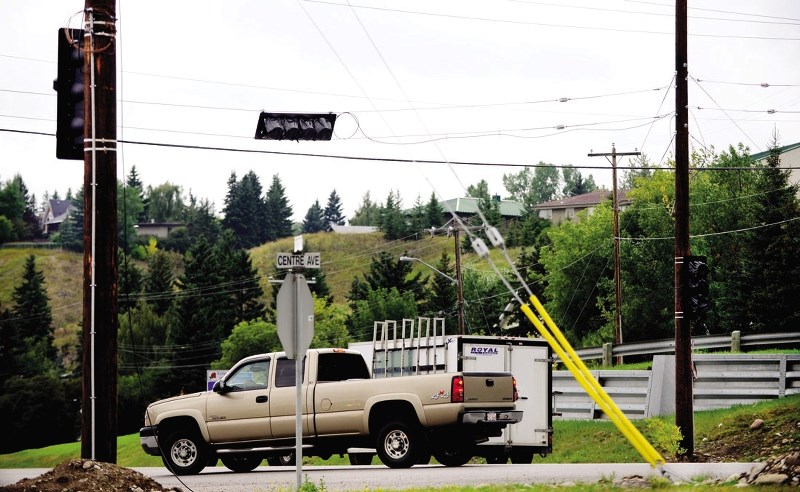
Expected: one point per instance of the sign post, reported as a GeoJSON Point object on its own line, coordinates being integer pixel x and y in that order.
{"type": "Point", "coordinates": [295, 326]}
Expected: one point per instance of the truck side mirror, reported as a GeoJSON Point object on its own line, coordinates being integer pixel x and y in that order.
{"type": "Point", "coordinates": [220, 387]}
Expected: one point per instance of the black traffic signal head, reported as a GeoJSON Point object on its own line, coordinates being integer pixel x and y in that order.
{"type": "Point", "coordinates": [295, 126]}
{"type": "Point", "coordinates": [69, 89]}
{"type": "Point", "coordinates": [696, 298]}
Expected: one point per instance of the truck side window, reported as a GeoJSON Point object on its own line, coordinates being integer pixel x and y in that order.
{"type": "Point", "coordinates": [284, 372]}
{"type": "Point", "coordinates": [341, 367]}
{"type": "Point", "coordinates": [252, 376]}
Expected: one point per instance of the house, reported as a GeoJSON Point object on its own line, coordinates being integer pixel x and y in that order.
{"type": "Point", "coordinates": [160, 230]}
{"type": "Point", "coordinates": [557, 211]}
{"type": "Point", "coordinates": [790, 158]}
{"type": "Point", "coordinates": [350, 229]}
{"type": "Point", "coordinates": [55, 212]}
{"type": "Point", "coordinates": [466, 207]}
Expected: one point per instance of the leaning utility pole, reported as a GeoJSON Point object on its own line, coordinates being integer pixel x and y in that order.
{"type": "Point", "coordinates": [684, 410]}
{"type": "Point", "coordinates": [617, 279]}
{"type": "Point", "coordinates": [99, 403]}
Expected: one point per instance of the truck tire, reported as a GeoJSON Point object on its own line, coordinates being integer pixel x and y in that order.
{"type": "Point", "coordinates": [360, 458]}
{"type": "Point", "coordinates": [185, 452]}
{"type": "Point", "coordinates": [399, 445]}
{"type": "Point", "coordinates": [285, 460]}
{"type": "Point", "coordinates": [241, 463]}
{"type": "Point", "coordinates": [455, 453]}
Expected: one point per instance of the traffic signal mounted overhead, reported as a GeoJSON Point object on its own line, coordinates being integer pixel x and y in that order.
{"type": "Point", "coordinates": [695, 275]}
{"type": "Point", "coordinates": [295, 126]}
{"type": "Point", "coordinates": [69, 89]}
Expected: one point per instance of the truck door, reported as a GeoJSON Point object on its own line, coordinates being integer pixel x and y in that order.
{"type": "Point", "coordinates": [531, 367]}
{"type": "Point", "coordinates": [282, 399]}
{"type": "Point", "coordinates": [241, 413]}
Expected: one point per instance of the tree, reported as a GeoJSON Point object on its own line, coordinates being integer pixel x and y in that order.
{"type": "Point", "coordinates": [418, 222]}
{"type": "Point", "coordinates": [434, 212]}
{"type": "Point", "coordinates": [330, 324]}
{"type": "Point", "coordinates": [393, 224]}
{"type": "Point", "coordinates": [134, 181]}
{"type": "Point", "coordinates": [19, 208]}
{"type": "Point", "coordinates": [379, 305]}
{"type": "Point", "coordinates": [333, 211]}
{"type": "Point", "coordinates": [158, 283]}
{"type": "Point", "coordinates": [248, 338]}
{"type": "Point", "coordinates": [480, 190]}
{"type": "Point", "coordinates": [773, 256]}
{"type": "Point", "coordinates": [129, 281]}
{"type": "Point", "coordinates": [129, 209]}
{"type": "Point", "coordinates": [485, 296]}
{"type": "Point", "coordinates": [442, 298]}
{"type": "Point", "coordinates": [368, 213]}
{"type": "Point", "coordinates": [33, 322]}
{"type": "Point", "coordinates": [640, 168]}
{"type": "Point", "coordinates": [279, 212]}
{"type": "Point", "coordinates": [165, 203]}
{"type": "Point", "coordinates": [71, 231]}
{"type": "Point", "coordinates": [314, 220]}
{"type": "Point", "coordinates": [575, 184]}
{"type": "Point", "coordinates": [531, 187]}
{"type": "Point", "coordinates": [246, 211]}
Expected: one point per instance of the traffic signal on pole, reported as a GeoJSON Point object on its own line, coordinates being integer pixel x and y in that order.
{"type": "Point", "coordinates": [69, 90]}
{"type": "Point", "coordinates": [696, 299]}
{"type": "Point", "coordinates": [295, 126]}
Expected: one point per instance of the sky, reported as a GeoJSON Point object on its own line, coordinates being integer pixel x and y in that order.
{"type": "Point", "coordinates": [481, 88]}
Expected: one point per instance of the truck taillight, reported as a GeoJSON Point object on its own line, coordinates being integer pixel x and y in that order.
{"type": "Point", "coordinates": [516, 393]}
{"type": "Point", "coordinates": [457, 389]}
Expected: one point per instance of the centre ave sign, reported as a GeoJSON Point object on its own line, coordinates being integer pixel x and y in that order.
{"type": "Point", "coordinates": [307, 260]}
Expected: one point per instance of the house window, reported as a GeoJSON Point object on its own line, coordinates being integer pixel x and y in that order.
{"type": "Point", "coordinates": [570, 213]}
{"type": "Point", "coordinates": [546, 214]}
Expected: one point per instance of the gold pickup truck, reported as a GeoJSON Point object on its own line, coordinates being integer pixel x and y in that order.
{"type": "Point", "coordinates": [250, 414]}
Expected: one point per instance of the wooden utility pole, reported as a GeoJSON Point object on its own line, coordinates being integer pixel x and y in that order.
{"type": "Point", "coordinates": [684, 410]}
{"type": "Point", "coordinates": [99, 403]}
{"type": "Point", "coordinates": [460, 285]}
{"type": "Point", "coordinates": [617, 279]}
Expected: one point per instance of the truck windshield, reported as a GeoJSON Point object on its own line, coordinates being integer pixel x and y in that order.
{"type": "Point", "coordinates": [340, 367]}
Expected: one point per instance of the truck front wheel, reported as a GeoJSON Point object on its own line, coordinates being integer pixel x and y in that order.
{"type": "Point", "coordinates": [185, 452]}
{"type": "Point", "coordinates": [399, 445]}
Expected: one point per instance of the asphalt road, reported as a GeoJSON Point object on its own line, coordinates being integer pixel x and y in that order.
{"type": "Point", "coordinates": [219, 479]}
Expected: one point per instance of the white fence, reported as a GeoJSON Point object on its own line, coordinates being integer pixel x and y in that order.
{"type": "Point", "coordinates": [720, 381]}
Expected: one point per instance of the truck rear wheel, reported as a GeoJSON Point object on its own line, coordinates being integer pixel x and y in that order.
{"type": "Point", "coordinates": [399, 445]}
{"type": "Point", "coordinates": [285, 460]}
{"type": "Point", "coordinates": [185, 452]}
{"type": "Point", "coordinates": [242, 463]}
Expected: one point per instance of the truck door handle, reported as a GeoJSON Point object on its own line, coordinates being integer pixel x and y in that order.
{"type": "Point", "coordinates": [490, 382]}
{"type": "Point", "coordinates": [262, 399]}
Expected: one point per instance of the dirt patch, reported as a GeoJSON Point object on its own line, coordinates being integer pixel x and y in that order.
{"type": "Point", "coordinates": [86, 476]}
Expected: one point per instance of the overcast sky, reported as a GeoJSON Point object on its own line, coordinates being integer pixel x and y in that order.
{"type": "Point", "coordinates": [455, 81]}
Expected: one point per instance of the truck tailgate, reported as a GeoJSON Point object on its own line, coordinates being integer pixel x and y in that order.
{"type": "Point", "coordinates": [488, 387]}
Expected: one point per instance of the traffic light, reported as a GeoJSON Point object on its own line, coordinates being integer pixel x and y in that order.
{"type": "Point", "coordinates": [69, 89]}
{"type": "Point", "coordinates": [695, 278]}
{"type": "Point", "coordinates": [294, 126]}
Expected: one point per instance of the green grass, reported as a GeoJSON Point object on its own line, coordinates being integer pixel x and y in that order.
{"type": "Point", "coordinates": [575, 441]}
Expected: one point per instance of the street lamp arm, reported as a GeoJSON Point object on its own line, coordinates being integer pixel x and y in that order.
{"type": "Point", "coordinates": [411, 258]}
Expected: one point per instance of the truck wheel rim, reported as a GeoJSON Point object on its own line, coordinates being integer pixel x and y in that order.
{"type": "Point", "coordinates": [184, 452]}
{"type": "Point", "coordinates": [396, 444]}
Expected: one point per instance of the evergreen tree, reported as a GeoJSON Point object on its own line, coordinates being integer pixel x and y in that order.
{"type": "Point", "coordinates": [387, 271]}
{"type": "Point", "coordinates": [246, 211]}
{"type": "Point", "coordinates": [393, 224]}
{"type": "Point", "coordinates": [165, 203]}
{"type": "Point", "coordinates": [442, 300]}
{"type": "Point", "coordinates": [245, 292]}
{"type": "Point", "coordinates": [575, 184]}
{"type": "Point", "coordinates": [33, 322]}
{"type": "Point", "coordinates": [159, 281]}
{"type": "Point", "coordinates": [129, 281]}
{"type": "Point", "coordinates": [314, 220]}
{"type": "Point", "coordinates": [279, 211]}
{"type": "Point", "coordinates": [134, 181]}
{"type": "Point", "coordinates": [434, 213]}
{"type": "Point", "coordinates": [480, 190]}
{"type": "Point", "coordinates": [71, 230]}
{"type": "Point", "coordinates": [333, 211]}
{"type": "Point", "coordinates": [417, 223]}
{"type": "Point", "coordinates": [774, 251]}
{"type": "Point", "coordinates": [129, 209]}
{"type": "Point", "coordinates": [201, 221]}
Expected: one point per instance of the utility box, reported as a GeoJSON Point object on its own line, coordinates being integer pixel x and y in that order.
{"type": "Point", "coordinates": [423, 348]}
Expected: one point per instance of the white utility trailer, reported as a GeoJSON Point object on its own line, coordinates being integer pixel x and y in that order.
{"type": "Point", "coordinates": [423, 348]}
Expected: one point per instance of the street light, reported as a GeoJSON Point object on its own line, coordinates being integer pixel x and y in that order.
{"type": "Point", "coordinates": [457, 282]}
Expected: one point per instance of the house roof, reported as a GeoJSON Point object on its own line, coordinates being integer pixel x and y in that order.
{"type": "Point", "coordinates": [469, 205]}
{"type": "Point", "coordinates": [781, 150]}
{"type": "Point", "coordinates": [353, 229]}
{"type": "Point", "coordinates": [58, 210]}
{"type": "Point", "coordinates": [582, 201]}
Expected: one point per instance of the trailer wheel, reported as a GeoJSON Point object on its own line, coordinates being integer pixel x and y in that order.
{"type": "Point", "coordinates": [360, 458]}
{"type": "Point", "coordinates": [399, 445]}
{"type": "Point", "coordinates": [241, 463]}
{"type": "Point", "coordinates": [185, 452]}
{"type": "Point", "coordinates": [521, 456]}
{"type": "Point", "coordinates": [497, 459]}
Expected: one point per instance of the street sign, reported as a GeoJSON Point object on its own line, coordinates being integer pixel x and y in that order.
{"type": "Point", "coordinates": [295, 318]}
{"type": "Point", "coordinates": [307, 260]}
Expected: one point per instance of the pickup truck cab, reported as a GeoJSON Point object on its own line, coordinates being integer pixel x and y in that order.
{"type": "Point", "coordinates": [250, 414]}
